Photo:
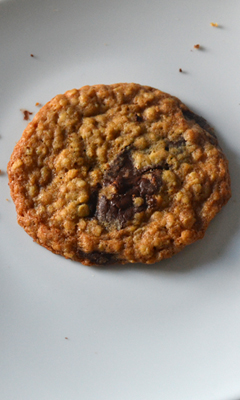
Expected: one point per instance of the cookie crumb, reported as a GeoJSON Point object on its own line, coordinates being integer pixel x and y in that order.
{"type": "Point", "coordinates": [180, 69]}
{"type": "Point", "coordinates": [7, 200]}
{"type": "Point", "coordinates": [66, 337]}
{"type": "Point", "coordinates": [38, 104]}
{"type": "Point", "coordinates": [32, 55]}
{"type": "Point", "coordinates": [26, 114]}
{"type": "Point", "coordinates": [196, 46]}
{"type": "Point", "coordinates": [214, 24]}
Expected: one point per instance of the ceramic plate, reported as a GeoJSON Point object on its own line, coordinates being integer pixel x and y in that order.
{"type": "Point", "coordinates": [169, 331]}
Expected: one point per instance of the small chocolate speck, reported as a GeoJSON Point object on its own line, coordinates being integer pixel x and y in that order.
{"type": "Point", "coordinates": [66, 337]}
{"type": "Point", "coordinates": [32, 55]}
{"type": "Point", "coordinates": [138, 118]}
{"type": "Point", "coordinates": [180, 69]}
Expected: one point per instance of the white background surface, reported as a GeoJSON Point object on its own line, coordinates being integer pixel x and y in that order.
{"type": "Point", "coordinates": [170, 331]}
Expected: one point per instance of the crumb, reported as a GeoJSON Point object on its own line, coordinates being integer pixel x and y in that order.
{"type": "Point", "coordinates": [66, 337]}
{"type": "Point", "coordinates": [180, 69]}
{"type": "Point", "coordinates": [38, 104]}
{"type": "Point", "coordinates": [214, 24]}
{"type": "Point", "coordinates": [7, 200]}
{"type": "Point", "coordinates": [31, 55]}
{"type": "Point", "coordinates": [26, 114]}
{"type": "Point", "coordinates": [0, 171]}
{"type": "Point", "coordinates": [196, 46]}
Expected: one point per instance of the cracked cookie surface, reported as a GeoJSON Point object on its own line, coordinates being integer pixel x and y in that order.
{"type": "Point", "coordinates": [117, 173]}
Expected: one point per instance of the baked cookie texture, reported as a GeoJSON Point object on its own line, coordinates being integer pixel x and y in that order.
{"type": "Point", "coordinates": [117, 173]}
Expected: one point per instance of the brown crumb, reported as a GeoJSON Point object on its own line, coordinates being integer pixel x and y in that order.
{"type": "Point", "coordinates": [214, 24]}
{"type": "Point", "coordinates": [196, 46]}
{"type": "Point", "coordinates": [7, 200]}
{"type": "Point", "coordinates": [26, 114]}
{"type": "Point", "coordinates": [66, 337]}
{"type": "Point", "coordinates": [0, 171]}
{"type": "Point", "coordinates": [180, 69]}
{"type": "Point", "coordinates": [32, 55]}
{"type": "Point", "coordinates": [38, 104]}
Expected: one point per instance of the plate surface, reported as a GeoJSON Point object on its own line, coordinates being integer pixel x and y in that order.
{"type": "Point", "coordinates": [169, 331]}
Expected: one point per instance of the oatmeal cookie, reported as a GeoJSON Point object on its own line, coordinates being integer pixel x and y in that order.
{"type": "Point", "coordinates": [118, 173]}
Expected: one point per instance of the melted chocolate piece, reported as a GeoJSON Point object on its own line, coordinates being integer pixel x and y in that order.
{"type": "Point", "coordinates": [121, 169]}
{"type": "Point", "coordinates": [92, 204]}
{"type": "Point", "coordinates": [97, 257]}
{"type": "Point", "coordinates": [138, 118]}
{"type": "Point", "coordinates": [203, 123]}
{"type": "Point", "coordinates": [177, 144]}
{"type": "Point", "coordinates": [129, 183]}
{"type": "Point", "coordinates": [199, 120]}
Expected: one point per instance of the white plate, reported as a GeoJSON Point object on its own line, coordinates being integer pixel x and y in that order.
{"type": "Point", "coordinates": [134, 332]}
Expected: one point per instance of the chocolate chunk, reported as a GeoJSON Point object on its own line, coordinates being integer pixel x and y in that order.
{"type": "Point", "coordinates": [179, 143]}
{"type": "Point", "coordinates": [138, 117]}
{"type": "Point", "coordinates": [102, 208]}
{"type": "Point", "coordinates": [166, 167]}
{"type": "Point", "coordinates": [122, 202]}
{"type": "Point", "coordinates": [199, 120]}
{"type": "Point", "coordinates": [151, 185]}
{"type": "Point", "coordinates": [97, 257]}
{"type": "Point", "coordinates": [92, 204]}
{"type": "Point", "coordinates": [203, 123]}
{"type": "Point", "coordinates": [122, 163]}
{"type": "Point", "coordinates": [129, 183]}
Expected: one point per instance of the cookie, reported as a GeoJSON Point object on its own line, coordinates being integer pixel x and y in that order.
{"type": "Point", "coordinates": [116, 174]}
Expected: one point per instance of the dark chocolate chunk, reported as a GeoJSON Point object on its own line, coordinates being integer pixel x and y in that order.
{"type": "Point", "coordinates": [199, 120]}
{"type": "Point", "coordinates": [138, 117]}
{"type": "Point", "coordinates": [151, 184]}
{"type": "Point", "coordinates": [203, 123]}
{"type": "Point", "coordinates": [129, 183]}
{"type": "Point", "coordinates": [122, 163]}
{"type": "Point", "coordinates": [92, 204]}
{"type": "Point", "coordinates": [178, 144]}
{"type": "Point", "coordinates": [166, 167]}
{"type": "Point", "coordinates": [97, 257]}
{"type": "Point", "coordinates": [102, 208]}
